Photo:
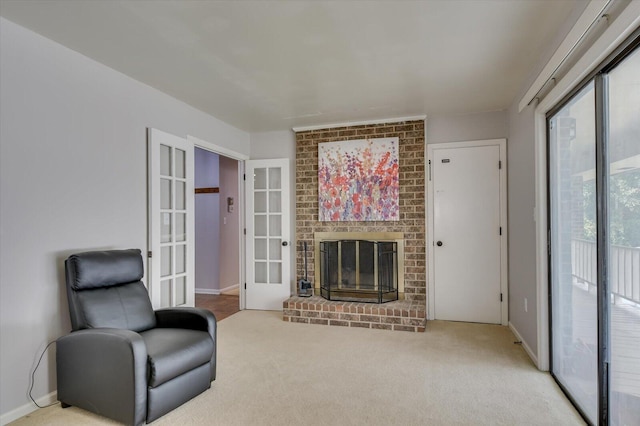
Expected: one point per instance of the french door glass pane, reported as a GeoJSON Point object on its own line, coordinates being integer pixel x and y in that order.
{"type": "Point", "coordinates": [165, 227]}
{"type": "Point", "coordinates": [165, 194]}
{"type": "Point", "coordinates": [275, 225]}
{"type": "Point", "coordinates": [573, 224]}
{"type": "Point", "coordinates": [165, 293]}
{"type": "Point", "coordinates": [165, 261]}
{"type": "Point", "coordinates": [275, 253]}
{"type": "Point", "coordinates": [181, 227]}
{"type": "Point", "coordinates": [261, 249]}
{"type": "Point", "coordinates": [180, 163]}
{"type": "Point", "coordinates": [181, 258]}
{"type": "Point", "coordinates": [274, 178]}
{"type": "Point", "coordinates": [165, 160]}
{"type": "Point", "coordinates": [261, 272]}
{"type": "Point", "coordinates": [181, 291]}
{"type": "Point", "coordinates": [260, 178]}
{"type": "Point", "coordinates": [260, 224]}
{"type": "Point", "coordinates": [260, 202]}
{"type": "Point", "coordinates": [180, 195]}
{"type": "Point", "coordinates": [624, 239]}
{"type": "Point", "coordinates": [275, 203]}
{"type": "Point", "coordinates": [275, 272]}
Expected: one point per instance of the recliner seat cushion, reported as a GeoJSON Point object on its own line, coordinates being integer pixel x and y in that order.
{"type": "Point", "coordinates": [172, 352]}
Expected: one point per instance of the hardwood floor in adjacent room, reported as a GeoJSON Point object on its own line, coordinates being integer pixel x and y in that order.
{"type": "Point", "coordinates": [222, 305]}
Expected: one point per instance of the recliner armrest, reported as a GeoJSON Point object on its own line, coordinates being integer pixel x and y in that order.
{"type": "Point", "coordinates": [104, 370]}
{"type": "Point", "coordinates": [190, 318]}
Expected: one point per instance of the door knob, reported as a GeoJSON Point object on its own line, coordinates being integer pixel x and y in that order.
{"type": "Point", "coordinates": [284, 243]}
{"type": "Point", "coordinates": [439, 243]}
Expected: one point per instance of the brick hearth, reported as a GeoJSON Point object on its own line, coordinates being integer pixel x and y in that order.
{"type": "Point", "coordinates": [402, 315]}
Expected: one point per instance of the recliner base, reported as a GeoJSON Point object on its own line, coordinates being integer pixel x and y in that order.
{"type": "Point", "coordinates": [175, 392]}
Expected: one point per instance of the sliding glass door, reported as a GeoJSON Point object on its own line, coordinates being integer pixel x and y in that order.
{"type": "Point", "coordinates": [594, 217]}
{"type": "Point", "coordinates": [573, 265]}
{"type": "Point", "coordinates": [623, 202]}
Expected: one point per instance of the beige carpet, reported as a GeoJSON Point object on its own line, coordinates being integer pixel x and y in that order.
{"type": "Point", "coordinates": [276, 373]}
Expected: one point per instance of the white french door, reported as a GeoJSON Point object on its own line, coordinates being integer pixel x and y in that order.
{"type": "Point", "coordinates": [171, 220]}
{"type": "Point", "coordinates": [268, 242]}
{"type": "Point", "coordinates": [468, 232]}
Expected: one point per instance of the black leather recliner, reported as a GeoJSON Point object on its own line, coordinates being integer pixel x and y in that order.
{"type": "Point", "coordinates": [123, 360]}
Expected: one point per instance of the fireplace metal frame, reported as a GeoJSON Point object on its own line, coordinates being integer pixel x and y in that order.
{"type": "Point", "coordinates": [384, 285]}
{"type": "Point", "coordinates": [398, 237]}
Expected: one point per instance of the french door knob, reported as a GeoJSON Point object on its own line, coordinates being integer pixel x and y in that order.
{"type": "Point", "coordinates": [284, 243]}
{"type": "Point", "coordinates": [439, 243]}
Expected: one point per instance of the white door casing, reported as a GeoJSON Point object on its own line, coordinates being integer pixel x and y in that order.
{"type": "Point", "coordinates": [467, 215]}
{"type": "Point", "coordinates": [268, 255]}
{"type": "Point", "coordinates": [171, 220]}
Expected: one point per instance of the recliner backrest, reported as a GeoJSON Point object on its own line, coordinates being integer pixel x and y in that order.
{"type": "Point", "coordinates": [105, 290]}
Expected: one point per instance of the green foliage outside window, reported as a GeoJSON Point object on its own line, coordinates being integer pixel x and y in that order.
{"type": "Point", "coordinates": [624, 209]}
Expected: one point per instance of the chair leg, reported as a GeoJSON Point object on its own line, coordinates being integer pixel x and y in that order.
{"type": "Point", "coordinates": [64, 405]}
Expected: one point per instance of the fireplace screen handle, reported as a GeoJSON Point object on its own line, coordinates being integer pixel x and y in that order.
{"type": "Point", "coordinates": [439, 243]}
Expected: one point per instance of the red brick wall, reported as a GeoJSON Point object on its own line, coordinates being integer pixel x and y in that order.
{"type": "Point", "coordinates": [412, 196]}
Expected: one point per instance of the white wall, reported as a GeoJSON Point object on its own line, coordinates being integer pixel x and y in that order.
{"type": "Point", "coordinates": [72, 178]}
{"type": "Point", "coordinates": [519, 131]}
{"type": "Point", "coordinates": [230, 224]}
{"type": "Point", "coordinates": [466, 127]}
{"type": "Point", "coordinates": [281, 144]}
{"type": "Point", "coordinates": [207, 217]}
{"type": "Point", "coordinates": [522, 231]}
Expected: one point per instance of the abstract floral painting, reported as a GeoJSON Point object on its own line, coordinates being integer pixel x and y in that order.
{"type": "Point", "coordinates": [359, 180]}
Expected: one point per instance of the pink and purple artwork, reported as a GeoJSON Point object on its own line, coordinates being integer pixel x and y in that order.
{"type": "Point", "coordinates": [359, 180]}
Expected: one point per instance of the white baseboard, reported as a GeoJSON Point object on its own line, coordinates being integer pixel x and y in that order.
{"type": "Point", "coordinates": [229, 288]}
{"type": "Point", "coordinates": [216, 291]}
{"type": "Point", "coordinates": [526, 347]}
{"type": "Point", "coordinates": [207, 291]}
{"type": "Point", "coordinates": [28, 408]}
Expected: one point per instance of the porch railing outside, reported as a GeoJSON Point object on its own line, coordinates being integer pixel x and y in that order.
{"type": "Point", "coordinates": [624, 268]}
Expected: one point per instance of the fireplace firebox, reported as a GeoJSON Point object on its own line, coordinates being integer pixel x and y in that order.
{"type": "Point", "coordinates": [359, 270]}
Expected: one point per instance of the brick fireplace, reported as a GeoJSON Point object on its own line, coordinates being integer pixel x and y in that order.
{"type": "Point", "coordinates": [408, 313]}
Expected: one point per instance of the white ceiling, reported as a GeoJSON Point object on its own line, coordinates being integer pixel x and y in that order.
{"type": "Point", "coordinates": [272, 65]}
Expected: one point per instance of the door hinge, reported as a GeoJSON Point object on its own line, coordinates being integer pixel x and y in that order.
{"type": "Point", "coordinates": [245, 286]}
{"type": "Point", "coordinates": [245, 231]}
{"type": "Point", "coordinates": [244, 176]}
{"type": "Point", "coordinates": [500, 164]}
{"type": "Point", "coordinates": [429, 169]}
{"type": "Point", "coordinates": [501, 297]}
{"type": "Point", "coordinates": [548, 242]}
{"type": "Point", "coordinates": [149, 254]}
{"type": "Point", "coordinates": [501, 230]}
